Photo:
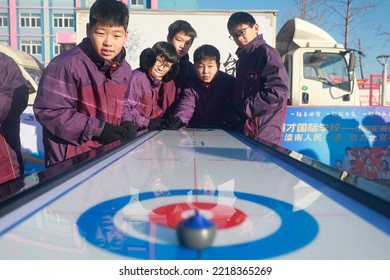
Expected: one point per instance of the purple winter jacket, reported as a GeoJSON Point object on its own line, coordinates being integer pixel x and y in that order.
{"type": "Point", "coordinates": [146, 99]}
{"type": "Point", "coordinates": [186, 72]}
{"type": "Point", "coordinates": [261, 90]}
{"type": "Point", "coordinates": [77, 91]}
{"type": "Point", "coordinates": [173, 95]}
{"type": "Point", "coordinates": [13, 101]}
{"type": "Point", "coordinates": [203, 105]}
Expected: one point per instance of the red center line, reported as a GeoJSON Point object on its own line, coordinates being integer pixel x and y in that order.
{"type": "Point", "coordinates": [195, 180]}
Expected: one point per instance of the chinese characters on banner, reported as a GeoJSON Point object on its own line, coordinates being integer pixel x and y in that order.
{"type": "Point", "coordinates": [355, 139]}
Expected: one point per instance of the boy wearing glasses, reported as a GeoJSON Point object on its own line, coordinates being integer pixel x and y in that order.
{"type": "Point", "coordinates": [261, 87]}
{"type": "Point", "coordinates": [144, 105]}
{"type": "Point", "coordinates": [204, 101]}
{"type": "Point", "coordinates": [82, 91]}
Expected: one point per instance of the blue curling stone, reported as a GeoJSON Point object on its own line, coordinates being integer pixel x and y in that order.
{"type": "Point", "coordinates": [196, 232]}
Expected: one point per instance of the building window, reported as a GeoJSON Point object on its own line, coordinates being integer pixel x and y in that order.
{"type": "Point", "coordinates": [30, 20]}
{"type": "Point", "coordinates": [63, 20]}
{"type": "Point", "coordinates": [137, 2]}
{"type": "Point", "coordinates": [3, 20]}
{"type": "Point", "coordinates": [31, 47]}
{"type": "Point", "coordinates": [57, 49]}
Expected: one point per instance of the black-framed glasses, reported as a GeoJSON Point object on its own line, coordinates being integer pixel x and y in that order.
{"type": "Point", "coordinates": [239, 33]}
{"type": "Point", "coordinates": [165, 65]}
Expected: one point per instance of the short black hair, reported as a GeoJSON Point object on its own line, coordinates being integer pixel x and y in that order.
{"type": "Point", "coordinates": [166, 50]}
{"type": "Point", "coordinates": [181, 25]}
{"type": "Point", "coordinates": [109, 12]}
{"type": "Point", "coordinates": [163, 49]}
{"type": "Point", "coordinates": [206, 51]}
{"type": "Point", "coordinates": [239, 18]}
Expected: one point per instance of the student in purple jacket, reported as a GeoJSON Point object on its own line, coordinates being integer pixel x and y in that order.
{"type": "Point", "coordinates": [261, 87]}
{"type": "Point", "coordinates": [13, 101]}
{"type": "Point", "coordinates": [82, 91]}
{"type": "Point", "coordinates": [209, 92]}
{"type": "Point", "coordinates": [144, 105]}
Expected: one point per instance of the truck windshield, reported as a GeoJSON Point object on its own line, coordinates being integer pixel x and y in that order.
{"type": "Point", "coordinates": [35, 74]}
{"type": "Point", "coordinates": [328, 68]}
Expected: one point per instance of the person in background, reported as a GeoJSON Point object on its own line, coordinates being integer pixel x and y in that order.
{"type": "Point", "coordinates": [13, 101]}
{"type": "Point", "coordinates": [354, 169]}
{"type": "Point", "coordinates": [382, 155]}
{"type": "Point", "coordinates": [203, 102]}
{"type": "Point", "coordinates": [348, 156]}
{"type": "Point", "coordinates": [181, 35]}
{"type": "Point", "coordinates": [261, 87]}
{"type": "Point", "coordinates": [370, 171]}
{"type": "Point", "coordinates": [384, 172]}
{"type": "Point", "coordinates": [339, 164]}
{"type": "Point", "coordinates": [144, 105]}
{"type": "Point", "coordinates": [81, 94]}
{"type": "Point", "coordinates": [362, 154]}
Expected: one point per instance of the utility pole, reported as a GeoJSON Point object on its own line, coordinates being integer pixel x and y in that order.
{"type": "Point", "coordinates": [382, 59]}
{"type": "Point", "coordinates": [360, 60]}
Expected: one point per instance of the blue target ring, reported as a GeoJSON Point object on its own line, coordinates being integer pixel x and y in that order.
{"type": "Point", "coordinates": [297, 229]}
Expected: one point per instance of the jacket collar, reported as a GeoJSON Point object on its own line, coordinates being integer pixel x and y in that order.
{"type": "Point", "coordinates": [184, 58]}
{"type": "Point", "coordinates": [251, 46]}
{"type": "Point", "coordinates": [153, 81]}
{"type": "Point", "coordinates": [103, 65]}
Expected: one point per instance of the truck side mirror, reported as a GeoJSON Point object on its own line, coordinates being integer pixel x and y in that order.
{"type": "Point", "coordinates": [352, 62]}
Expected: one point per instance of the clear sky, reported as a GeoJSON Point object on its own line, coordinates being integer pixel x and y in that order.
{"type": "Point", "coordinates": [372, 44]}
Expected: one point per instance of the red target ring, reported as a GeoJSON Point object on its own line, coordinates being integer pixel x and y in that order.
{"type": "Point", "coordinates": [223, 216]}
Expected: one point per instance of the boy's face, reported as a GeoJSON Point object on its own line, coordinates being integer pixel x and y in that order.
{"type": "Point", "coordinates": [160, 68]}
{"type": "Point", "coordinates": [108, 41]}
{"type": "Point", "coordinates": [243, 33]}
{"type": "Point", "coordinates": [206, 70]}
{"type": "Point", "coordinates": [181, 42]}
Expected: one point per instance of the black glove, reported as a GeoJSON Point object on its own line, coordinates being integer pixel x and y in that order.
{"type": "Point", "coordinates": [131, 129]}
{"type": "Point", "coordinates": [174, 123]}
{"type": "Point", "coordinates": [112, 133]}
{"type": "Point", "coordinates": [155, 124]}
{"type": "Point", "coordinates": [231, 116]}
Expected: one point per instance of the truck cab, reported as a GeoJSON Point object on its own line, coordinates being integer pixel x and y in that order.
{"type": "Point", "coordinates": [320, 69]}
{"type": "Point", "coordinates": [31, 68]}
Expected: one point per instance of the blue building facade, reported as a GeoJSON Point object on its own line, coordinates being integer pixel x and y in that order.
{"type": "Point", "coordinates": [44, 28]}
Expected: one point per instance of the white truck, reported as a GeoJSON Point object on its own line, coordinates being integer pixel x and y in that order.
{"type": "Point", "coordinates": [30, 67]}
{"type": "Point", "coordinates": [321, 71]}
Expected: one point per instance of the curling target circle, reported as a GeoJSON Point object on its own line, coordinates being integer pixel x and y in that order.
{"type": "Point", "coordinates": [104, 226]}
{"type": "Point", "coordinates": [222, 216]}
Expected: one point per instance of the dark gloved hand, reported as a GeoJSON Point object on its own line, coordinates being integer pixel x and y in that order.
{"type": "Point", "coordinates": [155, 124]}
{"type": "Point", "coordinates": [112, 133]}
{"type": "Point", "coordinates": [231, 116]}
{"type": "Point", "coordinates": [131, 129]}
{"type": "Point", "coordinates": [174, 123]}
